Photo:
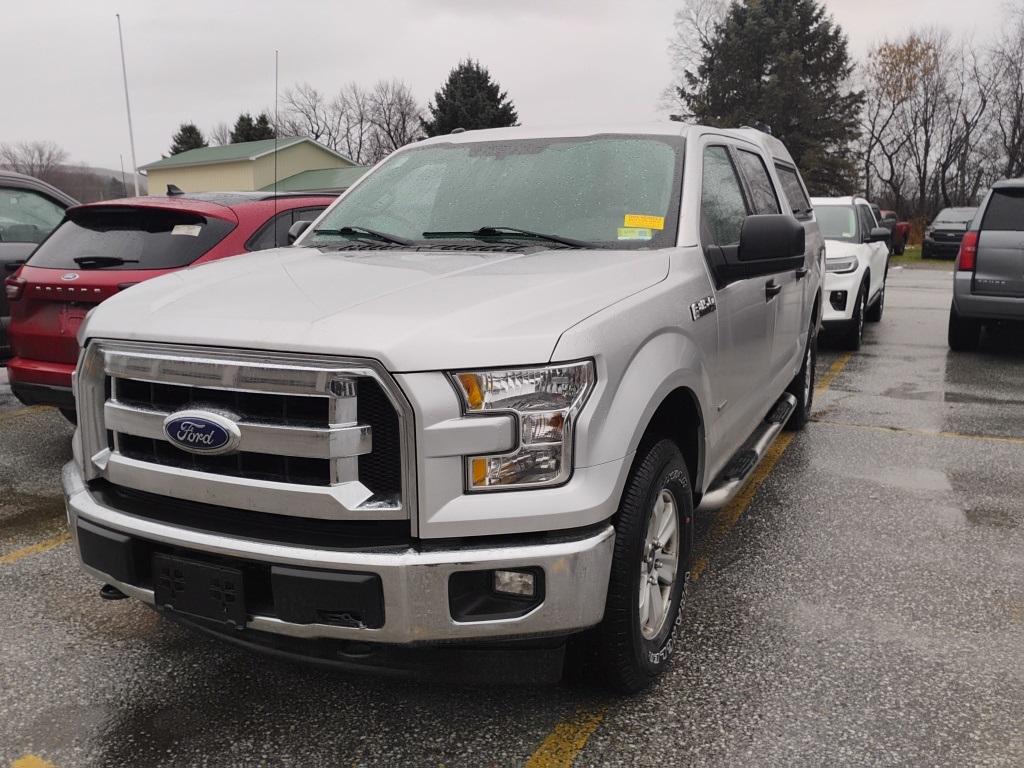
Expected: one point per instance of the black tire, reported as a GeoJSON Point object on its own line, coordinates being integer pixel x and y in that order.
{"type": "Point", "coordinates": [70, 415]}
{"type": "Point", "coordinates": [874, 312]}
{"type": "Point", "coordinates": [901, 246]}
{"type": "Point", "coordinates": [853, 333]}
{"type": "Point", "coordinates": [622, 657]}
{"type": "Point", "coordinates": [964, 333]}
{"type": "Point", "coordinates": [802, 385]}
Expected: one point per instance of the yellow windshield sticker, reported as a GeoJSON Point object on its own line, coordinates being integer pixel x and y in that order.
{"type": "Point", "coordinates": [634, 233]}
{"type": "Point", "coordinates": [644, 221]}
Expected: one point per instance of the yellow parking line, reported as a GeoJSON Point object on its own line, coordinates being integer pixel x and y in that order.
{"type": "Point", "coordinates": [834, 370]}
{"type": "Point", "coordinates": [27, 411]}
{"type": "Point", "coordinates": [564, 744]}
{"type": "Point", "coordinates": [566, 741]}
{"type": "Point", "coordinates": [31, 761]}
{"type": "Point", "coordinates": [34, 549]}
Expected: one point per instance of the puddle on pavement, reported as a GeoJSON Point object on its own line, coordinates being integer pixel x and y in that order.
{"type": "Point", "coordinates": [32, 513]}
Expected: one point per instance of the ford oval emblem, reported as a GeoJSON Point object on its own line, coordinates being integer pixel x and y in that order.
{"type": "Point", "coordinates": [69, 276]}
{"type": "Point", "coordinates": [206, 432]}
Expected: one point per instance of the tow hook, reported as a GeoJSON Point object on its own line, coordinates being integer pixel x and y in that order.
{"type": "Point", "coordinates": [110, 592]}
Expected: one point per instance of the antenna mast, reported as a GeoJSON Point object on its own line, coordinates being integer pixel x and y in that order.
{"type": "Point", "coordinates": [128, 107]}
{"type": "Point", "coordinates": [276, 129]}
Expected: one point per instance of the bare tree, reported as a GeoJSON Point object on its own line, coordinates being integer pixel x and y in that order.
{"type": "Point", "coordinates": [220, 134]}
{"type": "Point", "coordinates": [1007, 69]}
{"type": "Point", "coordinates": [35, 158]}
{"type": "Point", "coordinates": [694, 25]}
{"type": "Point", "coordinates": [395, 115]}
{"type": "Point", "coordinates": [307, 112]}
{"type": "Point", "coordinates": [357, 125]}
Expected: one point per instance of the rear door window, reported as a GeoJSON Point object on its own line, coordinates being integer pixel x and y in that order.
{"type": "Point", "coordinates": [275, 232]}
{"type": "Point", "coordinates": [1005, 211]}
{"type": "Point", "coordinates": [129, 238]}
{"type": "Point", "coordinates": [26, 216]}
{"type": "Point", "coordinates": [794, 191]}
{"type": "Point", "coordinates": [761, 189]}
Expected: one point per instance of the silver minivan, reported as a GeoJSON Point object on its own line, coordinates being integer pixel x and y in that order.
{"type": "Point", "coordinates": [988, 284]}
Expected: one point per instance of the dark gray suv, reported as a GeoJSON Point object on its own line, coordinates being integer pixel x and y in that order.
{"type": "Point", "coordinates": [988, 285]}
{"type": "Point", "coordinates": [29, 211]}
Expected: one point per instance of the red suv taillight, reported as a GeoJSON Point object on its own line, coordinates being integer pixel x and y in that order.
{"type": "Point", "coordinates": [14, 287]}
{"type": "Point", "coordinates": [968, 255]}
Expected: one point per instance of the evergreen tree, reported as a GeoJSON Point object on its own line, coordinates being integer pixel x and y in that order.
{"type": "Point", "coordinates": [188, 137]}
{"type": "Point", "coordinates": [247, 129]}
{"type": "Point", "coordinates": [784, 63]}
{"type": "Point", "coordinates": [469, 99]}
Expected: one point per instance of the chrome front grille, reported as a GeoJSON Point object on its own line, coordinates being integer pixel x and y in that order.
{"type": "Point", "coordinates": [320, 437]}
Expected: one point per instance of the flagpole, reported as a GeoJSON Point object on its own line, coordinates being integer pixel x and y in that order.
{"type": "Point", "coordinates": [128, 107]}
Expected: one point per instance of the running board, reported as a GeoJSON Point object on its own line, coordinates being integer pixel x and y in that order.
{"type": "Point", "coordinates": [731, 479]}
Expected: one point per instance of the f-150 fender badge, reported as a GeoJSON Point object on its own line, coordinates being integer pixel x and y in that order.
{"type": "Point", "coordinates": [702, 307]}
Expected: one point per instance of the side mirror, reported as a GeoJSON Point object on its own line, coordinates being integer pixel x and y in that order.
{"type": "Point", "coordinates": [295, 230]}
{"type": "Point", "coordinates": [771, 237]}
{"type": "Point", "coordinates": [769, 244]}
{"type": "Point", "coordinates": [879, 235]}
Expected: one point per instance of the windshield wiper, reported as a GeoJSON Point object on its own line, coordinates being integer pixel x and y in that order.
{"type": "Point", "coordinates": [507, 231]}
{"type": "Point", "coordinates": [356, 230]}
{"type": "Point", "coordinates": [103, 261]}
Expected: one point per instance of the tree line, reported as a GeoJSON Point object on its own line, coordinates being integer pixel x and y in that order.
{"type": "Point", "coordinates": [925, 121]}
{"type": "Point", "coordinates": [368, 123]}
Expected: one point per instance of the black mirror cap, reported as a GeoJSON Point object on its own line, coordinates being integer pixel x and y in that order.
{"type": "Point", "coordinates": [770, 237]}
{"type": "Point", "coordinates": [879, 235]}
{"type": "Point", "coordinates": [295, 230]}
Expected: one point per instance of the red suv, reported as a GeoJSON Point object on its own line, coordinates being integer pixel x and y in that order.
{"type": "Point", "coordinates": [102, 248]}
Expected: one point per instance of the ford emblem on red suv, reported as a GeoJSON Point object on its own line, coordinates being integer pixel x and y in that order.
{"type": "Point", "coordinates": [203, 432]}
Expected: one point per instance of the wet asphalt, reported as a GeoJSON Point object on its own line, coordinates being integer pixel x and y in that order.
{"type": "Point", "coordinates": [866, 609]}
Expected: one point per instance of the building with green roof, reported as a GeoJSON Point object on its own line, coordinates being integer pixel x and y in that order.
{"type": "Point", "coordinates": [247, 166]}
{"type": "Point", "coordinates": [333, 180]}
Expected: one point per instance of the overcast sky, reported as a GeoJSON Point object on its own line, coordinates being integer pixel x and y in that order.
{"type": "Point", "coordinates": [562, 61]}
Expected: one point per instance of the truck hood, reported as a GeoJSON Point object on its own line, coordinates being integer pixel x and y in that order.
{"type": "Point", "coordinates": [412, 310]}
{"type": "Point", "coordinates": [839, 249]}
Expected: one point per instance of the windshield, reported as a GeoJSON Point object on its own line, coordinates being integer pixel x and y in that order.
{"type": "Point", "coordinates": [837, 222]}
{"type": "Point", "coordinates": [129, 238]}
{"type": "Point", "coordinates": [960, 217]}
{"type": "Point", "coordinates": [610, 191]}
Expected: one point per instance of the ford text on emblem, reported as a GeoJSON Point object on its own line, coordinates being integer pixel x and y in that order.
{"type": "Point", "coordinates": [69, 276]}
{"type": "Point", "coordinates": [205, 432]}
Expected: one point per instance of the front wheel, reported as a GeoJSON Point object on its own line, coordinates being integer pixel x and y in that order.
{"type": "Point", "coordinates": [853, 334]}
{"type": "Point", "coordinates": [802, 386]}
{"type": "Point", "coordinates": [650, 568]}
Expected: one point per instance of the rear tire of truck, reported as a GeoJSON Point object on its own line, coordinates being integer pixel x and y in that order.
{"type": "Point", "coordinates": [650, 569]}
{"type": "Point", "coordinates": [802, 386]}
{"type": "Point", "coordinates": [964, 333]}
{"type": "Point", "coordinates": [853, 333]}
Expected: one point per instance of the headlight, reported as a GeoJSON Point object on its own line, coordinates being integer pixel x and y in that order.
{"type": "Point", "coordinates": [545, 402]}
{"type": "Point", "coordinates": [842, 264]}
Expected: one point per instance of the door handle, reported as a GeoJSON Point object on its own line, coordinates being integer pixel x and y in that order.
{"type": "Point", "coordinates": [771, 290]}
{"type": "Point", "coordinates": [801, 273]}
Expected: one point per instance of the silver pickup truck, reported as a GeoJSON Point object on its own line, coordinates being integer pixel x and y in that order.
{"type": "Point", "coordinates": [475, 404]}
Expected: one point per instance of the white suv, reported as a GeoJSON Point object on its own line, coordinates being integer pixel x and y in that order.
{"type": "Point", "coordinates": [856, 263]}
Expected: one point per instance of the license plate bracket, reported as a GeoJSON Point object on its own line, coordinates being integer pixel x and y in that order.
{"type": "Point", "coordinates": [204, 590]}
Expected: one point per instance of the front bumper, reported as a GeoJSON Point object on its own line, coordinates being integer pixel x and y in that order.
{"type": "Point", "coordinates": [936, 249]}
{"type": "Point", "coordinates": [414, 582]}
{"type": "Point", "coordinates": [840, 295]}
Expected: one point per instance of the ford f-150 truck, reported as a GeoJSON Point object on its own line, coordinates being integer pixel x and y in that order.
{"type": "Point", "coordinates": [476, 403]}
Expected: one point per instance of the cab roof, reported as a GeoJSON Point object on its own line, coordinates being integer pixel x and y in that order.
{"type": "Point", "coordinates": [771, 145]}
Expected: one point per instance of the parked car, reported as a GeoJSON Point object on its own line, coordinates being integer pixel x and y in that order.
{"type": "Point", "coordinates": [856, 266]}
{"type": "Point", "coordinates": [942, 237]}
{"type": "Point", "coordinates": [899, 230]}
{"type": "Point", "coordinates": [29, 210]}
{"type": "Point", "coordinates": [477, 402]}
{"type": "Point", "coordinates": [102, 248]}
{"type": "Point", "coordinates": [988, 283]}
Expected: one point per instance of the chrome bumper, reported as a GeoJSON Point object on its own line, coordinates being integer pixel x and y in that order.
{"type": "Point", "coordinates": [415, 583]}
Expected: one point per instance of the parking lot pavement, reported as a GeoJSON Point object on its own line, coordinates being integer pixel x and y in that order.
{"type": "Point", "coordinates": [861, 603]}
